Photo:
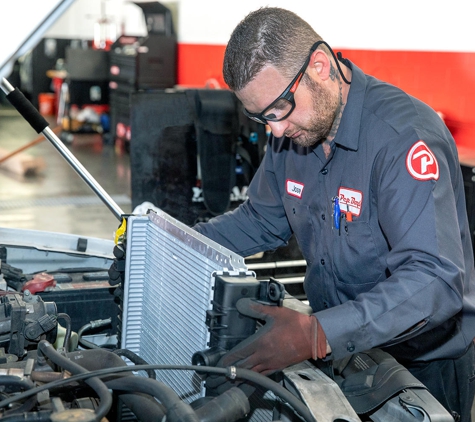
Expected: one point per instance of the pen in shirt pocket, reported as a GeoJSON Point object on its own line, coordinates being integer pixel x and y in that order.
{"type": "Point", "coordinates": [339, 214]}
{"type": "Point", "coordinates": [336, 213]}
{"type": "Point", "coordinates": [348, 217]}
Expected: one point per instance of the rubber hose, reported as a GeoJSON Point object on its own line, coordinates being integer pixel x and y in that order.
{"type": "Point", "coordinates": [86, 327]}
{"type": "Point", "coordinates": [230, 406]}
{"type": "Point", "coordinates": [177, 410]}
{"type": "Point", "coordinates": [87, 344]}
{"type": "Point", "coordinates": [143, 406]}
{"type": "Point", "coordinates": [95, 359]}
{"type": "Point", "coordinates": [99, 358]}
{"type": "Point", "coordinates": [67, 336]}
{"type": "Point", "coordinates": [11, 381]}
{"type": "Point", "coordinates": [137, 360]}
{"type": "Point", "coordinates": [14, 381]}
{"type": "Point", "coordinates": [95, 383]}
{"type": "Point", "coordinates": [25, 407]}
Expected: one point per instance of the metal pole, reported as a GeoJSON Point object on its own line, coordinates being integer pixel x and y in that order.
{"type": "Point", "coordinates": [7, 86]}
{"type": "Point", "coordinates": [75, 164]}
{"type": "Point", "coordinates": [81, 170]}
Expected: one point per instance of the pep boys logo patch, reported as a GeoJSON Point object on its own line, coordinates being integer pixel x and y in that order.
{"type": "Point", "coordinates": [421, 162]}
{"type": "Point", "coordinates": [350, 200]}
{"type": "Point", "coordinates": [294, 188]}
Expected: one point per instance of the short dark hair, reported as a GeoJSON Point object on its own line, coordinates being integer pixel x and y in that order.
{"type": "Point", "coordinates": [269, 35]}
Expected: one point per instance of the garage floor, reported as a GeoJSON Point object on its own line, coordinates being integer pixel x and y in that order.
{"type": "Point", "coordinates": [55, 198]}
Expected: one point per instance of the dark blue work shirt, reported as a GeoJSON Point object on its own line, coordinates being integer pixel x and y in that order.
{"type": "Point", "coordinates": [398, 272]}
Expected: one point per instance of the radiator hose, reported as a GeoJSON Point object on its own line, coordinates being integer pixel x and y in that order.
{"type": "Point", "coordinates": [105, 397]}
{"type": "Point", "coordinates": [228, 407]}
{"type": "Point", "coordinates": [176, 409]}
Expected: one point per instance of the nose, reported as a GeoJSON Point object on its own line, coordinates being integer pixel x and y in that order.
{"type": "Point", "coordinates": [278, 128]}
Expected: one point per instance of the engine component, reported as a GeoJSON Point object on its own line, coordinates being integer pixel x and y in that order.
{"type": "Point", "coordinates": [40, 283]}
{"type": "Point", "coordinates": [226, 325]}
{"type": "Point", "coordinates": [13, 276]}
{"type": "Point", "coordinates": [24, 320]}
{"type": "Point", "coordinates": [170, 273]}
{"type": "Point", "coordinates": [308, 382]}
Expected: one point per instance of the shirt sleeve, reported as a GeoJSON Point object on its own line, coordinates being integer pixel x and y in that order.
{"type": "Point", "coordinates": [258, 224]}
{"type": "Point", "coordinates": [422, 222]}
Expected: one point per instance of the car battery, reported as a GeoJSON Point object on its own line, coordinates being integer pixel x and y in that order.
{"type": "Point", "coordinates": [85, 297]}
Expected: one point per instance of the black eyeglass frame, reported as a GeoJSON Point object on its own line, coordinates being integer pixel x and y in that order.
{"type": "Point", "coordinates": [289, 92]}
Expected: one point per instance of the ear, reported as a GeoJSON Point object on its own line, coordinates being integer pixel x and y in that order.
{"type": "Point", "coordinates": [320, 64]}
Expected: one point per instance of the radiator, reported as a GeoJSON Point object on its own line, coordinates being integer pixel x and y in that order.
{"type": "Point", "coordinates": [169, 279]}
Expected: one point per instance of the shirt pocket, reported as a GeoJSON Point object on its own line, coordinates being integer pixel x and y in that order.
{"type": "Point", "coordinates": [300, 220]}
{"type": "Point", "coordinates": [357, 265]}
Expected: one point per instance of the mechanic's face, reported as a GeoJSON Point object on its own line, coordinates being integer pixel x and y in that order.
{"type": "Point", "coordinates": [314, 112]}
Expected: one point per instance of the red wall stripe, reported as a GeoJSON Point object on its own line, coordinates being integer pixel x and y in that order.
{"type": "Point", "coordinates": [444, 80]}
{"type": "Point", "coordinates": [198, 64]}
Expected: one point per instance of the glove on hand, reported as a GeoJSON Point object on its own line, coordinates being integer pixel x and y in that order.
{"type": "Point", "coordinates": [117, 269]}
{"type": "Point", "coordinates": [288, 337]}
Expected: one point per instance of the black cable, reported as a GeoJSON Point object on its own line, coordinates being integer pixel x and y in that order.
{"type": "Point", "coordinates": [96, 384]}
{"type": "Point", "coordinates": [135, 359]}
{"type": "Point", "coordinates": [336, 60]}
{"type": "Point", "coordinates": [88, 344]}
{"type": "Point", "coordinates": [92, 324]}
{"type": "Point", "coordinates": [67, 336]}
{"type": "Point", "coordinates": [241, 373]}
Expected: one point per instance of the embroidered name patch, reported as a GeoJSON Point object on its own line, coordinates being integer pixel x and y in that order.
{"type": "Point", "coordinates": [294, 188]}
{"type": "Point", "coordinates": [421, 162]}
{"type": "Point", "coordinates": [350, 200]}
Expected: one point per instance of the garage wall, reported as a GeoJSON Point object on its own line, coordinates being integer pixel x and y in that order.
{"type": "Point", "coordinates": [426, 47]}
{"type": "Point", "coordinates": [422, 46]}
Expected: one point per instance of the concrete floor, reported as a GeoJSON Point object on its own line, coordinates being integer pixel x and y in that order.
{"type": "Point", "coordinates": [56, 198]}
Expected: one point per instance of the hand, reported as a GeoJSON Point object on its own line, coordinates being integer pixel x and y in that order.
{"type": "Point", "coordinates": [117, 269]}
{"type": "Point", "coordinates": [288, 337]}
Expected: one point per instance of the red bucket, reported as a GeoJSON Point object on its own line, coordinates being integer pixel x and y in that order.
{"type": "Point", "coordinates": [46, 103]}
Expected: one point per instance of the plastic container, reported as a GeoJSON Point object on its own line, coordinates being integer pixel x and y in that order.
{"type": "Point", "coordinates": [46, 103]}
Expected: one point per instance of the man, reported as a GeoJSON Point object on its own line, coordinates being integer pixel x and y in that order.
{"type": "Point", "coordinates": [368, 179]}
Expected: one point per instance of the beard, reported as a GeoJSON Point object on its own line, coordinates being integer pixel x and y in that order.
{"type": "Point", "coordinates": [323, 114]}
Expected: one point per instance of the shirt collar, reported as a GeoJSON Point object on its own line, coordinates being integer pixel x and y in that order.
{"type": "Point", "coordinates": [348, 131]}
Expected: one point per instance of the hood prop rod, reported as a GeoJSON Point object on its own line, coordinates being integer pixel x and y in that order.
{"type": "Point", "coordinates": [40, 125]}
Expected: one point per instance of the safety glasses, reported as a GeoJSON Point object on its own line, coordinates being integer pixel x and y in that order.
{"type": "Point", "coordinates": [284, 105]}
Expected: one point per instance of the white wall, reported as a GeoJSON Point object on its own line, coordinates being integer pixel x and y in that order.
{"type": "Point", "coordinates": [430, 25]}
{"type": "Point", "coordinates": [362, 24]}
{"type": "Point", "coordinates": [79, 20]}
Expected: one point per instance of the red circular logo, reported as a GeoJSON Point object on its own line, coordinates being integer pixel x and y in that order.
{"type": "Point", "coordinates": [421, 162]}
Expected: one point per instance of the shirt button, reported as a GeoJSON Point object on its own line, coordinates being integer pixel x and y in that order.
{"type": "Point", "coordinates": [323, 216]}
{"type": "Point", "coordinates": [325, 304]}
{"type": "Point", "coordinates": [324, 171]}
{"type": "Point", "coordinates": [350, 347]}
{"type": "Point", "coordinates": [322, 261]}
